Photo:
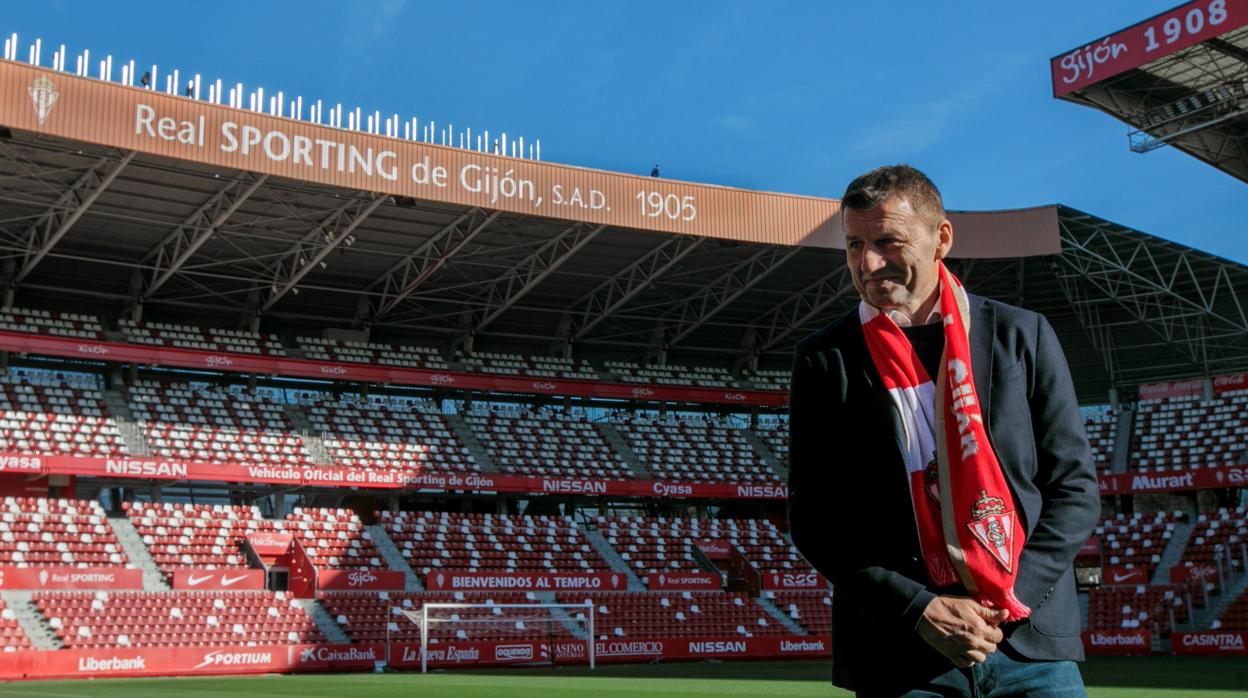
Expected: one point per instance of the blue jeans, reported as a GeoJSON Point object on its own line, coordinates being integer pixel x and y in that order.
{"type": "Point", "coordinates": [1000, 676]}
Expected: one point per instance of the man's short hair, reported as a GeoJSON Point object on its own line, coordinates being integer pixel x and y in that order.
{"type": "Point", "coordinates": [873, 188]}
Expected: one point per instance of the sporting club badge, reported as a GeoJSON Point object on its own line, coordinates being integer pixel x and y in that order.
{"type": "Point", "coordinates": [993, 526]}
{"type": "Point", "coordinates": [44, 95]}
{"type": "Point", "coordinates": [931, 480]}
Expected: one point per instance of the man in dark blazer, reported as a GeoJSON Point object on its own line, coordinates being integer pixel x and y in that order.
{"type": "Point", "coordinates": [850, 507]}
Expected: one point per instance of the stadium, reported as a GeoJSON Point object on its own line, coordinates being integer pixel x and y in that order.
{"type": "Point", "coordinates": [292, 390]}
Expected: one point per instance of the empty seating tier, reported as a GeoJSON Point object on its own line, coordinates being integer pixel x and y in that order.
{"type": "Point", "coordinates": [534, 366]}
{"type": "Point", "coordinates": [650, 547]}
{"type": "Point", "coordinates": [1180, 433]}
{"type": "Point", "coordinates": [491, 543]}
{"type": "Point", "coordinates": [678, 614]}
{"type": "Point", "coordinates": [759, 541]}
{"type": "Point", "coordinates": [372, 617]}
{"type": "Point", "coordinates": [774, 431]}
{"type": "Point", "coordinates": [86, 620]}
{"type": "Point", "coordinates": [547, 443]}
{"type": "Point", "coordinates": [212, 536]}
{"type": "Point", "coordinates": [163, 334]}
{"type": "Point", "coordinates": [1225, 529]}
{"type": "Point", "coordinates": [57, 532]}
{"type": "Point", "coordinates": [691, 449]}
{"type": "Point", "coordinates": [1235, 617]}
{"type": "Point", "coordinates": [12, 637]}
{"type": "Point", "coordinates": [335, 538]}
{"type": "Point", "coordinates": [213, 425]}
{"type": "Point", "coordinates": [697, 377]}
{"type": "Point", "coordinates": [52, 324]}
{"type": "Point", "coordinates": [1102, 430]}
{"type": "Point", "coordinates": [1142, 607]}
{"type": "Point", "coordinates": [390, 435]}
{"type": "Point", "coordinates": [810, 609]}
{"type": "Point", "coordinates": [196, 535]}
{"type": "Point", "coordinates": [768, 379]}
{"type": "Point", "coordinates": [372, 353]}
{"type": "Point", "coordinates": [1137, 540]}
{"type": "Point", "coordinates": [47, 415]}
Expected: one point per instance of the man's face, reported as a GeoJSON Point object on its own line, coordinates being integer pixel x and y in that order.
{"type": "Point", "coordinates": [893, 254]}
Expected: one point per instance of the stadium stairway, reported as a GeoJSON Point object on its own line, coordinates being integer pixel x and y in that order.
{"type": "Point", "coordinates": [325, 622]}
{"type": "Point", "coordinates": [33, 623]}
{"type": "Point", "coordinates": [563, 616]}
{"type": "Point", "coordinates": [1202, 618]}
{"type": "Point", "coordinates": [608, 553]}
{"type": "Point", "coordinates": [394, 559]}
{"type": "Point", "coordinates": [1173, 552]}
{"type": "Point", "coordinates": [775, 612]}
{"type": "Point", "coordinates": [311, 437]}
{"type": "Point", "coordinates": [132, 439]}
{"type": "Point", "coordinates": [621, 448]}
{"type": "Point", "coordinates": [138, 554]}
{"type": "Point", "coordinates": [470, 441]}
{"type": "Point", "coordinates": [1122, 442]}
{"type": "Point", "coordinates": [764, 452]}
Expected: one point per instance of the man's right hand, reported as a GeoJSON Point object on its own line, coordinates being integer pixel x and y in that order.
{"type": "Point", "coordinates": [961, 629]}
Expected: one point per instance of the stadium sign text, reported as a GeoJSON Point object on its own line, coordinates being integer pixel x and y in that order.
{"type": "Point", "coordinates": [20, 463]}
{"type": "Point", "coordinates": [575, 486]}
{"type": "Point", "coordinates": [146, 468]}
{"type": "Point", "coordinates": [1210, 642]}
{"type": "Point", "coordinates": [1117, 642]}
{"type": "Point", "coordinates": [1144, 42]}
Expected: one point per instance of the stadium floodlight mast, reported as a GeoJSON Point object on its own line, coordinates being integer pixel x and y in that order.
{"type": "Point", "coordinates": [422, 619]}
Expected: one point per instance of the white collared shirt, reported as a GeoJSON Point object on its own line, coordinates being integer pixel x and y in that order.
{"type": "Point", "coordinates": [903, 320]}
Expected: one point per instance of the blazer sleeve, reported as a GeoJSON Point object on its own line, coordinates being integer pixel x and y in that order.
{"type": "Point", "coordinates": [1065, 474]}
{"type": "Point", "coordinates": [817, 523]}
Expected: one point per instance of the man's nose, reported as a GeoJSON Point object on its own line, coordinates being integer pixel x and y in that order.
{"type": "Point", "coordinates": [870, 261]}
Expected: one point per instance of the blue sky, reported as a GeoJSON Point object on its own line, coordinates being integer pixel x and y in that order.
{"type": "Point", "coordinates": [779, 96]}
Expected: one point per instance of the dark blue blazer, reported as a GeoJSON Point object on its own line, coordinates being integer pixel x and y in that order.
{"type": "Point", "coordinates": [849, 502]}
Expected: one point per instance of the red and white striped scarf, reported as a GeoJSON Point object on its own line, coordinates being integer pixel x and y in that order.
{"type": "Point", "coordinates": [969, 530]}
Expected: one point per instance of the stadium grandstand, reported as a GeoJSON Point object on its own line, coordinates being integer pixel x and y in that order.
{"type": "Point", "coordinates": [270, 383]}
{"type": "Point", "coordinates": [1178, 79]}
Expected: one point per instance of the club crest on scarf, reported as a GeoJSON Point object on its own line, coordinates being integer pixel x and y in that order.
{"type": "Point", "coordinates": [931, 480]}
{"type": "Point", "coordinates": [994, 527]}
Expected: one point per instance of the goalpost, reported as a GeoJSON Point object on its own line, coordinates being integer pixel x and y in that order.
{"type": "Point", "coordinates": [500, 616]}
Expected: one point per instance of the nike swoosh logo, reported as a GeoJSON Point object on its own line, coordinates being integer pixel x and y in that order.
{"type": "Point", "coordinates": [1120, 577]}
{"type": "Point", "coordinates": [192, 580]}
{"type": "Point", "coordinates": [228, 581]}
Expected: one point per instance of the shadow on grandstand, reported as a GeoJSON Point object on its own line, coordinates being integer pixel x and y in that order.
{"type": "Point", "coordinates": [791, 670]}
{"type": "Point", "coordinates": [1180, 674]}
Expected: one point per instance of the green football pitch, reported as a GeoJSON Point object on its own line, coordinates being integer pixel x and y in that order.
{"type": "Point", "coordinates": [1106, 678]}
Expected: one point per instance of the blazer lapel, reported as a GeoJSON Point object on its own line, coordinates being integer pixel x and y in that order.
{"type": "Point", "coordinates": [983, 320]}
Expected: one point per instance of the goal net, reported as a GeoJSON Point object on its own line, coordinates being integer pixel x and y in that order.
{"type": "Point", "coordinates": [523, 633]}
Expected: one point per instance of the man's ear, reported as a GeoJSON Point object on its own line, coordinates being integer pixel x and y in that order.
{"type": "Point", "coordinates": [944, 233]}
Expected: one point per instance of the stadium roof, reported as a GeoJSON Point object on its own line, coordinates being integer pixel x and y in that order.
{"type": "Point", "coordinates": [122, 226]}
{"type": "Point", "coordinates": [1179, 78]}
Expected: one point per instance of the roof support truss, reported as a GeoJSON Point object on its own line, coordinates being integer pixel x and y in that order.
{"type": "Point", "coordinates": [1197, 312]}
{"type": "Point", "coordinates": [50, 227]}
{"type": "Point", "coordinates": [168, 257]}
{"type": "Point", "coordinates": [505, 291]}
{"type": "Point", "coordinates": [304, 256]}
{"type": "Point", "coordinates": [694, 311]}
{"type": "Point", "coordinates": [405, 277]}
{"type": "Point", "coordinates": [615, 292]}
{"type": "Point", "coordinates": [801, 310]}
